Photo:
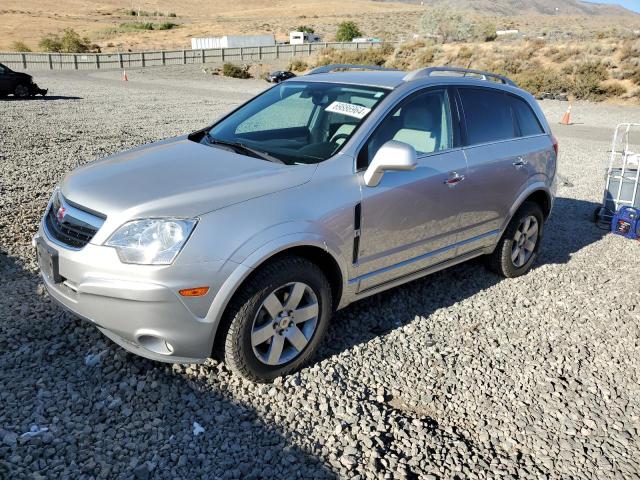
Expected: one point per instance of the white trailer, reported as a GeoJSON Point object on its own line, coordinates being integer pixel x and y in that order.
{"type": "Point", "coordinates": [233, 41]}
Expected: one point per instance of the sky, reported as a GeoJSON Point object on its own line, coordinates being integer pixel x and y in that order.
{"type": "Point", "coordinates": [630, 4]}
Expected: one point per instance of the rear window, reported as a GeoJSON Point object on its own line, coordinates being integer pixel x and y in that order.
{"type": "Point", "coordinates": [527, 120]}
{"type": "Point", "coordinates": [488, 115]}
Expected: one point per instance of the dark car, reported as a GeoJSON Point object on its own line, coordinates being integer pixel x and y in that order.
{"type": "Point", "coordinates": [17, 83]}
{"type": "Point", "coordinates": [279, 76]}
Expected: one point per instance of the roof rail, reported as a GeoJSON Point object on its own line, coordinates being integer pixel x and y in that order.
{"type": "Point", "coordinates": [426, 72]}
{"type": "Point", "coordinates": [345, 66]}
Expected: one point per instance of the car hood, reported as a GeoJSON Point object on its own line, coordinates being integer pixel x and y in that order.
{"type": "Point", "coordinates": [176, 177]}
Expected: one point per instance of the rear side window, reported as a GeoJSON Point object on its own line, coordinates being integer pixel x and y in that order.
{"type": "Point", "coordinates": [527, 120]}
{"type": "Point", "coordinates": [487, 114]}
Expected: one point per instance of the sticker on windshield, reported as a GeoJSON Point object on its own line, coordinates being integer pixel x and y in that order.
{"type": "Point", "coordinates": [349, 109]}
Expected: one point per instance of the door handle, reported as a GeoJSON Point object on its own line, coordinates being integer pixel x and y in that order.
{"type": "Point", "coordinates": [520, 162]}
{"type": "Point", "coordinates": [454, 179]}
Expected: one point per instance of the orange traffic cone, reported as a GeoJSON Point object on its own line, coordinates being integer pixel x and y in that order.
{"type": "Point", "coordinates": [566, 118]}
{"type": "Point", "coordinates": [124, 76]}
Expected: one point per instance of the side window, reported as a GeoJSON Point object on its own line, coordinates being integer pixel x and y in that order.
{"type": "Point", "coordinates": [487, 114]}
{"type": "Point", "coordinates": [527, 120]}
{"type": "Point", "coordinates": [423, 121]}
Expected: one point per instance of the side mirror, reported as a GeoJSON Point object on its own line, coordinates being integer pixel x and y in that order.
{"type": "Point", "coordinates": [393, 155]}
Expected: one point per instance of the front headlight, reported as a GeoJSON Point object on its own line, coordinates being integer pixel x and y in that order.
{"type": "Point", "coordinates": [155, 241]}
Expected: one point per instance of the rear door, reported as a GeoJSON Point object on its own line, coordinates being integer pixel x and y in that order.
{"type": "Point", "coordinates": [498, 164]}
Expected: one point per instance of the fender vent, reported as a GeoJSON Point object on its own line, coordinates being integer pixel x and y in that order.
{"type": "Point", "coordinates": [356, 231]}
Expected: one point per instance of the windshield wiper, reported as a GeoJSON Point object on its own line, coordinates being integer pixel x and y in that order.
{"type": "Point", "coordinates": [244, 148]}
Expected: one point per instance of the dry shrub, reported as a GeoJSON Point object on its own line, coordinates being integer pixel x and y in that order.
{"type": "Point", "coordinates": [612, 89]}
{"type": "Point", "coordinates": [234, 71]}
{"type": "Point", "coordinates": [630, 50]}
{"type": "Point", "coordinates": [259, 70]}
{"type": "Point", "coordinates": [543, 80]}
{"type": "Point", "coordinates": [371, 56]}
{"type": "Point", "coordinates": [465, 53]}
{"type": "Point", "coordinates": [297, 65]}
{"type": "Point", "coordinates": [566, 53]}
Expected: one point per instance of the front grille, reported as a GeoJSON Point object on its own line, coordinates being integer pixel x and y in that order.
{"type": "Point", "coordinates": [69, 225]}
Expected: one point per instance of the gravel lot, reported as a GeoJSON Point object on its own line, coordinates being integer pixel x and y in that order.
{"type": "Point", "coordinates": [459, 375]}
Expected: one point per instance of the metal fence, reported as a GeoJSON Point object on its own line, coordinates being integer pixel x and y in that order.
{"type": "Point", "coordinates": [92, 61]}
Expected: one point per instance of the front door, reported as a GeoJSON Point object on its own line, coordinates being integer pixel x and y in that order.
{"type": "Point", "coordinates": [410, 219]}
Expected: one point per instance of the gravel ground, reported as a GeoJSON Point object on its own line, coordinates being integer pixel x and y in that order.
{"type": "Point", "coordinates": [459, 375]}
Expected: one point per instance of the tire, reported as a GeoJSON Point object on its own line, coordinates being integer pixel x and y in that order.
{"type": "Point", "coordinates": [515, 244]}
{"type": "Point", "coordinates": [21, 91]}
{"type": "Point", "coordinates": [255, 327]}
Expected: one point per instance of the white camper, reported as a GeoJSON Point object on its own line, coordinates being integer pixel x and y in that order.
{"type": "Point", "coordinates": [298, 38]}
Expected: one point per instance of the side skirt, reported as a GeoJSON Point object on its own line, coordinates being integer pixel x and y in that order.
{"type": "Point", "coordinates": [419, 274]}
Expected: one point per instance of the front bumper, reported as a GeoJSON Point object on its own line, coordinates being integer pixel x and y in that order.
{"type": "Point", "coordinates": [137, 306]}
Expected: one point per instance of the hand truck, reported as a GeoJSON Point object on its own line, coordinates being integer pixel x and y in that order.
{"type": "Point", "coordinates": [622, 175]}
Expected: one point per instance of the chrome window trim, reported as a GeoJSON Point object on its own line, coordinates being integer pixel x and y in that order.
{"type": "Point", "coordinates": [494, 142]}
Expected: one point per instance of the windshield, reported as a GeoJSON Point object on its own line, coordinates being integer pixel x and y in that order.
{"type": "Point", "coordinates": [298, 122]}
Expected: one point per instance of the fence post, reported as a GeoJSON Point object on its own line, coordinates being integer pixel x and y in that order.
{"type": "Point", "coordinates": [184, 57]}
{"type": "Point", "coordinates": [142, 58]}
{"type": "Point", "coordinates": [260, 52]}
{"type": "Point", "coordinates": [222, 54]}
{"type": "Point", "coordinates": [98, 61]}
{"type": "Point", "coordinates": [293, 51]}
{"type": "Point", "coordinates": [163, 58]}
{"type": "Point", "coordinates": [202, 54]}
{"type": "Point", "coordinates": [50, 62]}
{"type": "Point", "coordinates": [120, 60]}
{"type": "Point", "coordinates": [24, 60]}
{"type": "Point", "coordinates": [75, 61]}
{"type": "Point", "coordinates": [309, 49]}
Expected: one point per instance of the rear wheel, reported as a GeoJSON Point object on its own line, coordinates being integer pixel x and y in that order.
{"type": "Point", "coordinates": [277, 320]}
{"type": "Point", "coordinates": [21, 91]}
{"type": "Point", "coordinates": [518, 247]}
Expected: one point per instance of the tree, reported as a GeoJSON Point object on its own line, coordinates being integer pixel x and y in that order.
{"type": "Point", "coordinates": [305, 29]}
{"type": "Point", "coordinates": [446, 25]}
{"type": "Point", "coordinates": [347, 31]}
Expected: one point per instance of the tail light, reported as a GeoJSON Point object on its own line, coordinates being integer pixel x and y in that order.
{"type": "Point", "coordinates": [555, 143]}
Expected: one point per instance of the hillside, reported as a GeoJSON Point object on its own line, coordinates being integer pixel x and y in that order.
{"type": "Point", "coordinates": [519, 7]}
{"type": "Point", "coordinates": [111, 25]}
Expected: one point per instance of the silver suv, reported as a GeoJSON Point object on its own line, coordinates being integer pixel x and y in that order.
{"type": "Point", "coordinates": [241, 239]}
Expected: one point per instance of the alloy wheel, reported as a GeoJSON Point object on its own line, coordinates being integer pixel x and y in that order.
{"type": "Point", "coordinates": [285, 323]}
{"type": "Point", "coordinates": [524, 241]}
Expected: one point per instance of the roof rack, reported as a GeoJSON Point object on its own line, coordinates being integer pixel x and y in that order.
{"type": "Point", "coordinates": [426, 72]}
{"type": "Point", "coordinates": [345, 66]}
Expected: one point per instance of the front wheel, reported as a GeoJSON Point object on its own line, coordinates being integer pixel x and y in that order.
{"type": "Point", "coordinates": [277, 320]}
{"type": "Point", "coordinates": [518, 248]}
